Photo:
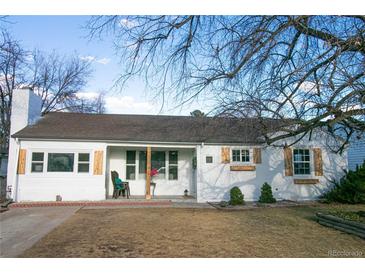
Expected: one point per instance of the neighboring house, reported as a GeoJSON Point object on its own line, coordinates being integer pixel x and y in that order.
{"type": "Point", "coordinates": [356, 153]}
{"type": "Point", "coordinates": [72, 155]}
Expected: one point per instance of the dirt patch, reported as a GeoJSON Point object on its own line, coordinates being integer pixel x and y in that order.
{"type": "Point", "coordinates": [177, 232]}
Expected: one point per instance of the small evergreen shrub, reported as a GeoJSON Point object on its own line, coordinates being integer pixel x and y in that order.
{"type": "Point", "coordinates": [350, 189]}
{"type": "Point", "coordinates": [266, 194]}
{"type": "Point", "coordinates": [236, 196]}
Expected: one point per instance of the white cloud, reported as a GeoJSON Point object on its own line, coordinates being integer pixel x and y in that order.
{"type": "Point", "coordinates": [88, 58]}
{"type": "Point", "coordinates": [87, 95]}
{"type": "Point", "coordinates": [128, 105]}
{"type": "Point", "coordinates": [103, 61]}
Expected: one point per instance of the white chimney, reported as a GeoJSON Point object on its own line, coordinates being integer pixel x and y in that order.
{"type": "Point", "coordinates": [25, 110]}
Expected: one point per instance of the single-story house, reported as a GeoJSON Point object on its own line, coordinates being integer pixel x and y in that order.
{"type": "Point", "coordinates": [73, 154]}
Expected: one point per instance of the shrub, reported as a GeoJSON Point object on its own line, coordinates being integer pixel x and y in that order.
{"type": "Point", "coordinates": [350, 189]}
{"type": "Point", "coordinates": [266, 194]}
{"type": "Point", "coordinates": [236, 196]}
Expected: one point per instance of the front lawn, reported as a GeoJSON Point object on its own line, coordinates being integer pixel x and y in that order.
{"type": "Point", "coordinates": [178, 232]}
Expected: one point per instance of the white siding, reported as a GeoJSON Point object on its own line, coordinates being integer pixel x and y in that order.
{"type": "Point", "coordinates": [215, 180]}
{"type": "Point", "coordinates": [356, 154]}
{"type": "Point", "coordinates": [72, 186]}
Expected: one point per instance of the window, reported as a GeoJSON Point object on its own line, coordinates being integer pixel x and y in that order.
{"type": "Point", "coordinates": [158, 162]}
{"type": "Point", "coordinates": [240, 155]}
{"type": "Point", "coordinates": [84, 163]}
{"type": "Point", "coordinates": [301, 161]}
{"type": "Point", "coordinates": [37, 161]}
{"type": "Point", "coordinates": [60, 162]}
{"type": "Point", "coordinates": [131, 165]}
{"type": "Point", "coordinates": [173, 165]}
{"type": "Point", "coordinates": [209, 159]}
{"type": "Point", "coordinates": [142, 162]}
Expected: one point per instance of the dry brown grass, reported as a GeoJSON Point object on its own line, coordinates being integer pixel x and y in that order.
{"type": "Point", "coordinates": [177, 232]}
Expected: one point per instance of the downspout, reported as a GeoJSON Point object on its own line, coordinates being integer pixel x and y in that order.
{"type": "Point", "coordinates": [15, 177]}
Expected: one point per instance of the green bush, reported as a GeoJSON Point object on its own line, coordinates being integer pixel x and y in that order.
{"type": "Point", "coordinates": [350, 189]}
{"type": "Point", "coordinates": [266, 194]}
{"type": "Point", "coordinates": [236, 196]}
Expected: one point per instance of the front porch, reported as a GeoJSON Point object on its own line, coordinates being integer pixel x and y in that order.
{"type": "Point", "coordinates": [137, 164]}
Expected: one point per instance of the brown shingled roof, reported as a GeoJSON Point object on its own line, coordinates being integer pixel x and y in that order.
{"type": "Point", "coordinates": [146, 128]}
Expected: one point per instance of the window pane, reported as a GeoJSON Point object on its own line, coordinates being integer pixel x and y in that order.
{"type": "Point", "coordinates": [173, 173]}
{"type": "Point", "coordinates": [37, 167]}
{"type": "Point", "coordinates": [235, 155]}
{"type": "Point", "coordinates": [173, 157]}
{"type": "Point", "coordinates": [131, 172]}
{"type": "Point", "coordinates": [301, 168]}
{"type": "Point", "coordinates": [209, 159]}
{"type": "Point", "coordinates": [60, 162]}
{"type": "Point", "coordinates": [158, 161]}
{"type": "Point", "coordinates": [84, 157]}
{"type": "Point", "coordinates": [83, 168]}
{"type": "Point", "coordinates": [245, 155]}
{"type": "Point", "coordinates": [131, 157]}
{"type": "Point", "coordinates": [142, 162]}
{"type": "Point", "coordinates": [37, 156]}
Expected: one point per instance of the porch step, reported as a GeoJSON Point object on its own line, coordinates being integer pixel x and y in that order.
{"type": "Point", "coordinates": [90, 203]}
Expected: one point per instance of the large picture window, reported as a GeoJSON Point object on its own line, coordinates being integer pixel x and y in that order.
{"type": "Point", "coordinates": [301, 161]}
{"type": "Point", "coordinates": [37, 162]}
{"type": "Point", "coordinates": [173, 165]}
{"type": "Point", "coordinates": [131, 165]}
{"type": "Point", "coordinates": [60, 162]}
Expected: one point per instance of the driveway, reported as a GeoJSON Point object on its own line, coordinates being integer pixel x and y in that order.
{"type": "Point", "coordinates": [20, 228]}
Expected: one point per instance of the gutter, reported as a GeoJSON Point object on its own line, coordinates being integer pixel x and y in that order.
{"type": "Point", "coordinates": [137, 142]}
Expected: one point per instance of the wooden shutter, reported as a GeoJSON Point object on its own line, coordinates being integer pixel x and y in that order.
{"type": "Point", "coordinates": [225, 155]}
{"type": "Point", "coordinates": [288, 161]}
{"type": "Point", "coordinates": [21, 161]}
{"type": "Point", "coordinates": [318, 163]}
{"type": "Point", "coordinates": [98, 162]}
{"type": "Point", "coordinates": [257, 155]}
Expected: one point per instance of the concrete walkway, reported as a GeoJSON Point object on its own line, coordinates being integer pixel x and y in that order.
{"type": "Point", "coordinates": [20, 228]}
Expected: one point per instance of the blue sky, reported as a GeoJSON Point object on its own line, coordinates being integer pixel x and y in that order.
{"type": "Point", "coordinates": [65, 35]}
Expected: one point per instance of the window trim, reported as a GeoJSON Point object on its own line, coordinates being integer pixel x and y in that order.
{"type": "Point", "coordinates": [38, 162]}
{"type": "Point", "coordinates": [240, 155]}
{"type": "Point", "coordinates": [135, 164]}
{"type": "Point", "coordinates": [82, 162]}
{"type": "Point", "coordinates": [47, 151]}
{"type": "Point", "coordinates": [74, 168]}
{"type": "Point", "coordinates": [310, 162]}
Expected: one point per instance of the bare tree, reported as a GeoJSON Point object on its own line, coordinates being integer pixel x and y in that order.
{"type": "Point", "coordinates": [58, 80]}
{"type": "Point", "coordinates": [12, 70]}
{"type": "Point", "coordinates": [308, 70]}
{"type": "Point", "coordinates": [55, 78]}
{"type": "Point", "coordinates": [90, 105]}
